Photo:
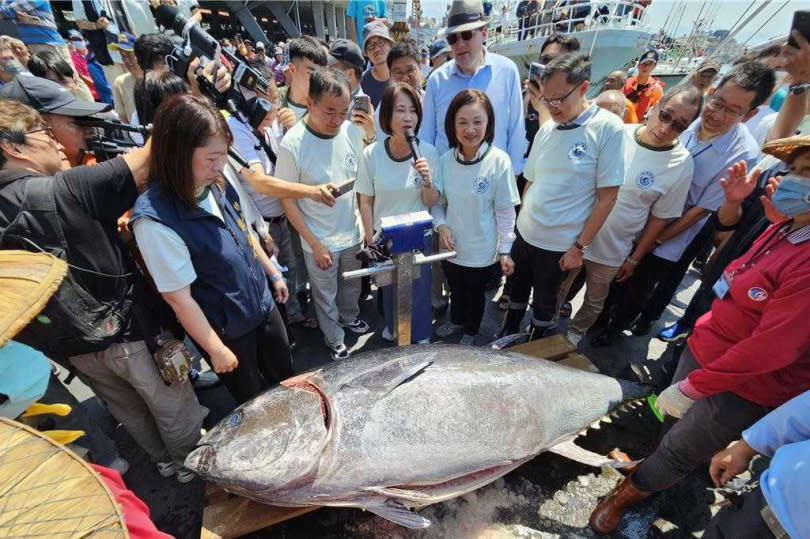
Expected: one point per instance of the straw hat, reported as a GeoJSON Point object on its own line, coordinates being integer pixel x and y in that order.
{"type": "Point", "coordinates": [785, 149]}
{"type": "Point", "coordinates": [27, 281]}
{"type": "Point", "coordinates": [48, 491]}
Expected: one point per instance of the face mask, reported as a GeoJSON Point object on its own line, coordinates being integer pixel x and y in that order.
{"type": "Point", "coordinates": [12, 66]}
{"type": "Point", "coordinates": [80, 45]}
{"type": "Point", "coordinates": [792, 197]}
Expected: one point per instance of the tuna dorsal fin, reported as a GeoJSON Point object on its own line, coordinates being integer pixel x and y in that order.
{"type": "Point", "coordinates": [398, 513]}
{"type": "Point", "coordinates": [568, 449]}
{"type": "Point", "coordinates": [385, 377]}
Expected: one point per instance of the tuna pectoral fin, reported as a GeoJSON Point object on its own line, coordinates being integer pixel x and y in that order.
{"type": "Point", "coordinates": [398, 513]}
{"type": "Point", "coordinates": [389, 375]}
{"type": "Point", "coordinates": [569, 450]}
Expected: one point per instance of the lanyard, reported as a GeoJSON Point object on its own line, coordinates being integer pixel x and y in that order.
{"type": "Point", "coordinates": [766, 247]}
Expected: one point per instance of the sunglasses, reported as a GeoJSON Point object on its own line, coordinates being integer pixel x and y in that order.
{"type": "Point", "coordinates": [466, 35]}
{"type": "Point", "coordinates": [667, 118]}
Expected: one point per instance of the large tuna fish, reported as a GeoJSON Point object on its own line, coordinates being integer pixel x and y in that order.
{"type": "Point", "coordinates": [403, 428]}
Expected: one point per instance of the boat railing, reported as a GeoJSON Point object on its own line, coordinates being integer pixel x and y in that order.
{"type": "Point", "coordinates": [567, 19]}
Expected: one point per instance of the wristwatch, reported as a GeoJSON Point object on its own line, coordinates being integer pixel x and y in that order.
{"type": "Point", "coordinates": [798, 89]}
{"type": "Point", "coordinates": [579, 245]}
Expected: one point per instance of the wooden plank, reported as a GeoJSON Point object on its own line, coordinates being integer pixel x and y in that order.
{"type": "Point", "coordinates": [552, 348]}
{"type": "Point", "coordinates": [234, 516]}
{"type": "Point", "coordinates": [579, 361]}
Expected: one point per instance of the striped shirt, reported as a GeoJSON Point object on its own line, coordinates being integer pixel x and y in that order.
{"type": "Point", "coordinates": [41, 32]}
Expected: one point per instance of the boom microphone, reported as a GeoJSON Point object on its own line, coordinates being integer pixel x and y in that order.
{"type": "Point", "coordinates": [413, 143]}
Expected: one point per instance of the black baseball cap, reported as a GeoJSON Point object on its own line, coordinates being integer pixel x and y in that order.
{"type": "Point", "coordinates": [47, 96]}
{"type": "Point", "coordinates": [347, 51]}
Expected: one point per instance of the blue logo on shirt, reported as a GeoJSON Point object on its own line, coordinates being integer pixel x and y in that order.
{"type": "Point", "coordinates": [757, 294]}
{"type": "Point", "coordinates": [480, 185]}
{"type": "Point", "coordinates": [235, 419]}
{"type": "Point", "coordinates": [645, 180]}
{"type": "Point", "coordinates": [576, 152]}
{"type": "Point", "coordinates": [351, 162]}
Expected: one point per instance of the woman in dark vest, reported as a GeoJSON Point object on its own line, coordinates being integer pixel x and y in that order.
{"type": "Point", "coordinates": [205, 262]}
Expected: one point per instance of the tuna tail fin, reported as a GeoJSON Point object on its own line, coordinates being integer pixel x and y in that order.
{"type": "Point", "coordinates": [568, 449]}
{"type": "Point", "coordinates": [398, 513]}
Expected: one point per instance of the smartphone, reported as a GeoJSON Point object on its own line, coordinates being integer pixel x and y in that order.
{"type": "Point", "coordinates": [344, 188]}
{"type": "Point", "coordinates": [362, 102]}
{"type": "Point", "coordinates": [535, 71]}
{"type": "Point", "coordinates": [801, 22]}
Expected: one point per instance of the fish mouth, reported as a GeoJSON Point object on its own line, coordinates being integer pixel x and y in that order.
{"type": "Point", "coordinates": [202, 459]}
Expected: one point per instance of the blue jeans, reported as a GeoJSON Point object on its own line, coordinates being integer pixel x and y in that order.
{"type": "Point", "coordinates": [421, 314]}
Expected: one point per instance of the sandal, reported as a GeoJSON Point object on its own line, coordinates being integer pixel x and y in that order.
{"type": "Point", "coordinates": [303, 320]}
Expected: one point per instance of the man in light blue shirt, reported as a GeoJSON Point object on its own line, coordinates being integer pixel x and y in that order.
{"type": "Point", "coordinates": [716, 140]}
{"type": "Point", "coordinates": [781, 505]}
{"type": "Point", "coordinates": [474, 67]}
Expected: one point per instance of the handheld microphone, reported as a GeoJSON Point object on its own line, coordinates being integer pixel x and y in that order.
{"type": "Point", "coordinates": [413, 143]}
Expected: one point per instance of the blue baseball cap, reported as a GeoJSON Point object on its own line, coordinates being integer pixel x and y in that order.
{"type": "Point", "coordinates": [649, 56]}
{"type": "Point", "coordinates": [438, 47]}
{"type": "Point", "coordinates": [126, 42]}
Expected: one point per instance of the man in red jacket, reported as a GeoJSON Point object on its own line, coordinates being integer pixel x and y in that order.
{"type": "Point", "coordinates": [751, 352]}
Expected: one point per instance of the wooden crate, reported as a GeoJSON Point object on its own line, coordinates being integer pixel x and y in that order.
{"type": "Point", "coordinates": [227, 515]}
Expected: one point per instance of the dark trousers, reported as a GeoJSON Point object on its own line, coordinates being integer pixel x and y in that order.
{"type": "Point", "coordinates": [264, 358]}
{"type": "Point", "coordinates": [539, 269]}
{"type": "Point", "coordinates": [741, 520]}
{"type": "Point", "coordinates": [467, 293]}
{"type": "Point", "coordinates": [650, 289]}
{"type": "Point", "coordinates": [707, 427]}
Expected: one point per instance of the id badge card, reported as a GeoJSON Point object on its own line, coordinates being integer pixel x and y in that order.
{"type": "Point", "coordinates": [721, 287]}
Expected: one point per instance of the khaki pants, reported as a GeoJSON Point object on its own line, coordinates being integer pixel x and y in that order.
{"type": "Point", "coordinates": [597, 285]}
{"type": "Point", "coordinates": [336, 299]}
{"type": "Point", "coordinates": [164, 420]}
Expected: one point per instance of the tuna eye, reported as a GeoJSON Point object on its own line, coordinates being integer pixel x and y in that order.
{"type": "Point", "coordinates": [235, 419]}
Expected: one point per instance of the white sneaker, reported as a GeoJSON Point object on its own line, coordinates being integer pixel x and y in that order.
{"type": "Point", "coordinates": [184, 475]}
{"type": "Point", "coordinates": [574, 337]}
{"type": "Point", "coordinates": [120, 465]}
{"type": "Point", "coordinates": [387, 335]}
{"type": "Point", "coordinates": [358, 326]}
{"type": "Point", "coordinates": [467, 340]}
{"type": "Point", "coordinates": [339, 352]}
{"type": "Point", "coordinates": [447, 329]}
{"type": "Point", "coordinates": [166, 469]}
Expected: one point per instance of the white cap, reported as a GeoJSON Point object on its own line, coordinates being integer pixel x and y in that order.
{"type": "Point", "coordinates": [260, 45]}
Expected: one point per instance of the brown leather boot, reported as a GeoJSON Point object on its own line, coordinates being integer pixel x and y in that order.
{"type": "Point", "coordinates": [607, 515]}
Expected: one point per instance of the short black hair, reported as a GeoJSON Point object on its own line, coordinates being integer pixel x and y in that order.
{"type": "Point", "coordinates": [152, 89]}
{"type": "Point", "coordinates": [576, 66]}
{"type": "Point", "coordinates": [328, 81]}
{"type": "Point", "coordinates": [689, 94]}
{"type": "Point", "coordinates": [387, 104]}
{"type": "Point", "coordinates": [468, 97]}
{"type": "Point", "coordinates": [751, 76]}
{"type": "Point", "coordinates": [407, 48]}
{"type": "Point", "coordinates": [567, 42]}
{"type": "Point", "coordinates": [309, 48]}
{"type": "Point", "coordinates": [152, 50]}
{"type": "Point", "coordinates": [46, 60]}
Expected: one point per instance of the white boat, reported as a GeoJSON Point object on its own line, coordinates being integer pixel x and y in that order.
{"type": "Point", "coordinates": [613, 39]}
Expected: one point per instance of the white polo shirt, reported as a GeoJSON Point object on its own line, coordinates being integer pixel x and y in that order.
{"type": "Point", "coordinates": [313, 159]}
{"type": "Point", "coordinates": [473, 192]}
{"type": "Point", "coordinates": [656, 182]}
{"type": "Point", "coordinates": [566, 166]}
{"type": "Point", "coordinates": [395, 185]}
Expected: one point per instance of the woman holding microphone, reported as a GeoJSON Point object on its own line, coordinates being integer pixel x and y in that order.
{"type": "Point", "coordinates": [391, 180]}
{"type": "Point", "coordinates": [476, 217]}
{"type": "Point", "coordinates": [205, 261]}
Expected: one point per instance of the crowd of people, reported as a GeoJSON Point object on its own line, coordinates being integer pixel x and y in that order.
{"type": "Point", "coordinates": [226, 228]}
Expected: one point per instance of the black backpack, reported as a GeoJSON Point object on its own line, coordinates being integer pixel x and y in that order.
{"type": "Point", "coordinates": [73, 322]}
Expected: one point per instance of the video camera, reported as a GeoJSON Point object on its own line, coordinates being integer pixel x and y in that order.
{"type": "Point", "coordinates": [109, 138]}
{"type": "Point", "coordinates": [197, 43]}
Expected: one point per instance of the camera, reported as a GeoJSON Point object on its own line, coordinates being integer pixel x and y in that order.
{"type": "Point", "coordinates": [109, 138]}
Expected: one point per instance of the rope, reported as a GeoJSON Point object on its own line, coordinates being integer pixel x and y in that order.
{"type": "Point", "coordinates": [766, 22]}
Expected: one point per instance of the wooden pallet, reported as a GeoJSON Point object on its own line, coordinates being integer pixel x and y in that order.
{"type": "Point", "coordinates": [227, 515]}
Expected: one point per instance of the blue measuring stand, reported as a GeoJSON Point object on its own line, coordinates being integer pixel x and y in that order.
{"type": "Point", "coordinates": [406, 232]}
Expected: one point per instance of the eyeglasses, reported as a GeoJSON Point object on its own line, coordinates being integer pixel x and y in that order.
{"type": "Point", "coordinates": [556, 102]}
{"type": "Point", "coordinates": [668, 118]}
{"type": "Point", "coordinates": [466, 35]}
{"type": "Point", "coordinates": [718, 105]}
{"type": "Point", "coordinates": [47, 129]}
{"type": "Point", "coordinates": [376, 44]}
